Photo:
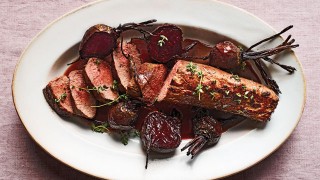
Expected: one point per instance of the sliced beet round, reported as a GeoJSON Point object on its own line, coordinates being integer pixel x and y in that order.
{"type": "Point", "coordinates": [98, 41]}
{"type": "Point", "coordinates": [165, 43]}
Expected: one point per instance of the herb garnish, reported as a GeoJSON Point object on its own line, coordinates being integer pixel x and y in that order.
{"type": "Point", "coordinates": [212, 93]}
{"type": "Point", "coordinates": [98, 89]}
{"type": "Point", "coordinates": [97, 61]}
{"type": "Point", "coordinates": [199, 89]}
{"type": "Point", "coordinates": [243, 65]}
{"type": "Point", "coordinates": [124, 136]}
{"type": "Point", "coordinates": [236, 77]}
{"type": "Point", "coordinates": [62, 97]}
{"type": "Point", "coordinates": [246, 95]}
{"type": "Point", "coordinates": [122, 96]}
{"type": "Point", "coordinates": [114, 85]}
{"type": "Point", "coordinates": [191, 68]}
{"type": "Point", "coordinates": [238, 101]}
{"type": "Point", "coordinates": [100, 128]}
{"type": "Point", "coordinates": [161, 42]}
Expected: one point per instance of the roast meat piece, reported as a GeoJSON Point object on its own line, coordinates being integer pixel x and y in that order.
{"type": "Point", "coordinates": [125, 68]}
{"type": "Point", "coordinates": [58, 96]}
{"type": "Point", "coordinates": [218, 90]}
{"type": "Point", "coordinates": [150, 78]}
{"type": "Point", "coordinates": [83, 99]}
{"type": "Point", "coordinates": [142, 47]}
{"type": "Point", "coordinates": [99, 75]}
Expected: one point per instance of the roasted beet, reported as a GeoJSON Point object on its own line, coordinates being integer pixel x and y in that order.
{"type": "Point", "coordinates": [207, 131]}
{"type": "Point", "coordinates": [122, 115]}
{"type": "Point", "coordinates": [160, 133]}
{"type": "Point", "coordinates": [100, 40]}
{"type": "Point", "coordinates": [225, 55]}
{"type": "Point", "coordinates": [165, 43]}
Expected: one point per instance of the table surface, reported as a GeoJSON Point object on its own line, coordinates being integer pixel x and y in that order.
{"type": "Point", "coordinates": [22, 158]}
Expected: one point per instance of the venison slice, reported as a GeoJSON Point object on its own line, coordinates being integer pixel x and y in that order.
{"type": "Point", "coordinates": [58, 96]}
{"type": "Point", "coordinates": [99, 74]}
{"type": "Point", "coordinates": [150, 78]}
{"type": "Point", "coordinates": [83, 99]}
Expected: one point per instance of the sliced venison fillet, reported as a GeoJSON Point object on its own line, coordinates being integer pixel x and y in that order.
{"type": "Point", "coordinates": [150, 78]}
{"type": "Point", "coordinates": [220, 90]}
{"type": "Point", "coordinates": [98, 72]}
{"type": "Point", "coordinates": [82, 98]}
{"type": "Point", "coordinates": [142, 47]}
{"type": "Point", "coordinates": [126, 67]}
{"type": "Point", "coordinates": [57, 94]}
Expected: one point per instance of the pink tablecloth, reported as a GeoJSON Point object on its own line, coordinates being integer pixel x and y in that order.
{"type": "Point", "coordinates": [21, 158]}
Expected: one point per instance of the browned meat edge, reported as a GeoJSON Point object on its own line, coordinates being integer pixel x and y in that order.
{"type": "Point", "coordinates": [221, 91]}
{"type": "Point", "coordinates": [64, 107]}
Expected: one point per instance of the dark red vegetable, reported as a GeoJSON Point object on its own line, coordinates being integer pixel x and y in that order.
{"type": "Point", "coordinates": [100, 40]}
{"type": "Point", "coordinates": [160, 133]}
{"type": "Point", "coordinates": [226, 55]}
{"type": "Point", "coordinates": [165, 43]}
{"type": "Point", "coordinates": [207, 132]}
{"type": "Point", "coordinates": [122, 115]}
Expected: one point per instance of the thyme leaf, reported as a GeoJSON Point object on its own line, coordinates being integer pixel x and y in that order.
{"type": "Point", "coordinates": [114, 85]}
{"type": "Point", "coordinates": [235, 77]}
{"type": "Point", "coordinates": [98, 89]}
{"type": "Point", "coordinates": [199, 87]}
{"type": "Point", "coordinates": [161, 42]}
{"type": "Point", "coordinates": [62, 97]}
{"type": "Point", "coordinates": [100, 128]}
{"type": "Point", "coordinates": [191, 68]}
{"type": "Point", "coordinates": [122, 96]}
{"type": "Point", "coordinates": [124, 136]}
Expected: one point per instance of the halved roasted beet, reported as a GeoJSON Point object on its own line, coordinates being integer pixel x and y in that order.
{"type": "Point", "coordinates": [122, 115]}
{"type": "Point", "coordinates": [165, 43]}
{"type": "Point", "coordinates": [160, 133]}
{"type": "Point", "coordinates": [98, 41]}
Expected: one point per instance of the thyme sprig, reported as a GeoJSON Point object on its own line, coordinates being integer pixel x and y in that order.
{"type": "Point", "coordinates": [114, 86]}
{"type": "Point", "coordinates": [125, 135]}
{"type": "Point", "coordinates": [161, 42]}
{"type": "Point", "coordinates": [199, 87]}
{"type": "Point", "coordinates": [100, 128]}
{"type": "Point", "coordinates": [122, 96]}
{"type": "Point", "coordinates": [62, 97]}
{"type": "Point", "coordinates": [235, 77]}
{"type": "Point", "coordinates": [191, 68]}
{"type": "Point", "coordinates": [98, 88]}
